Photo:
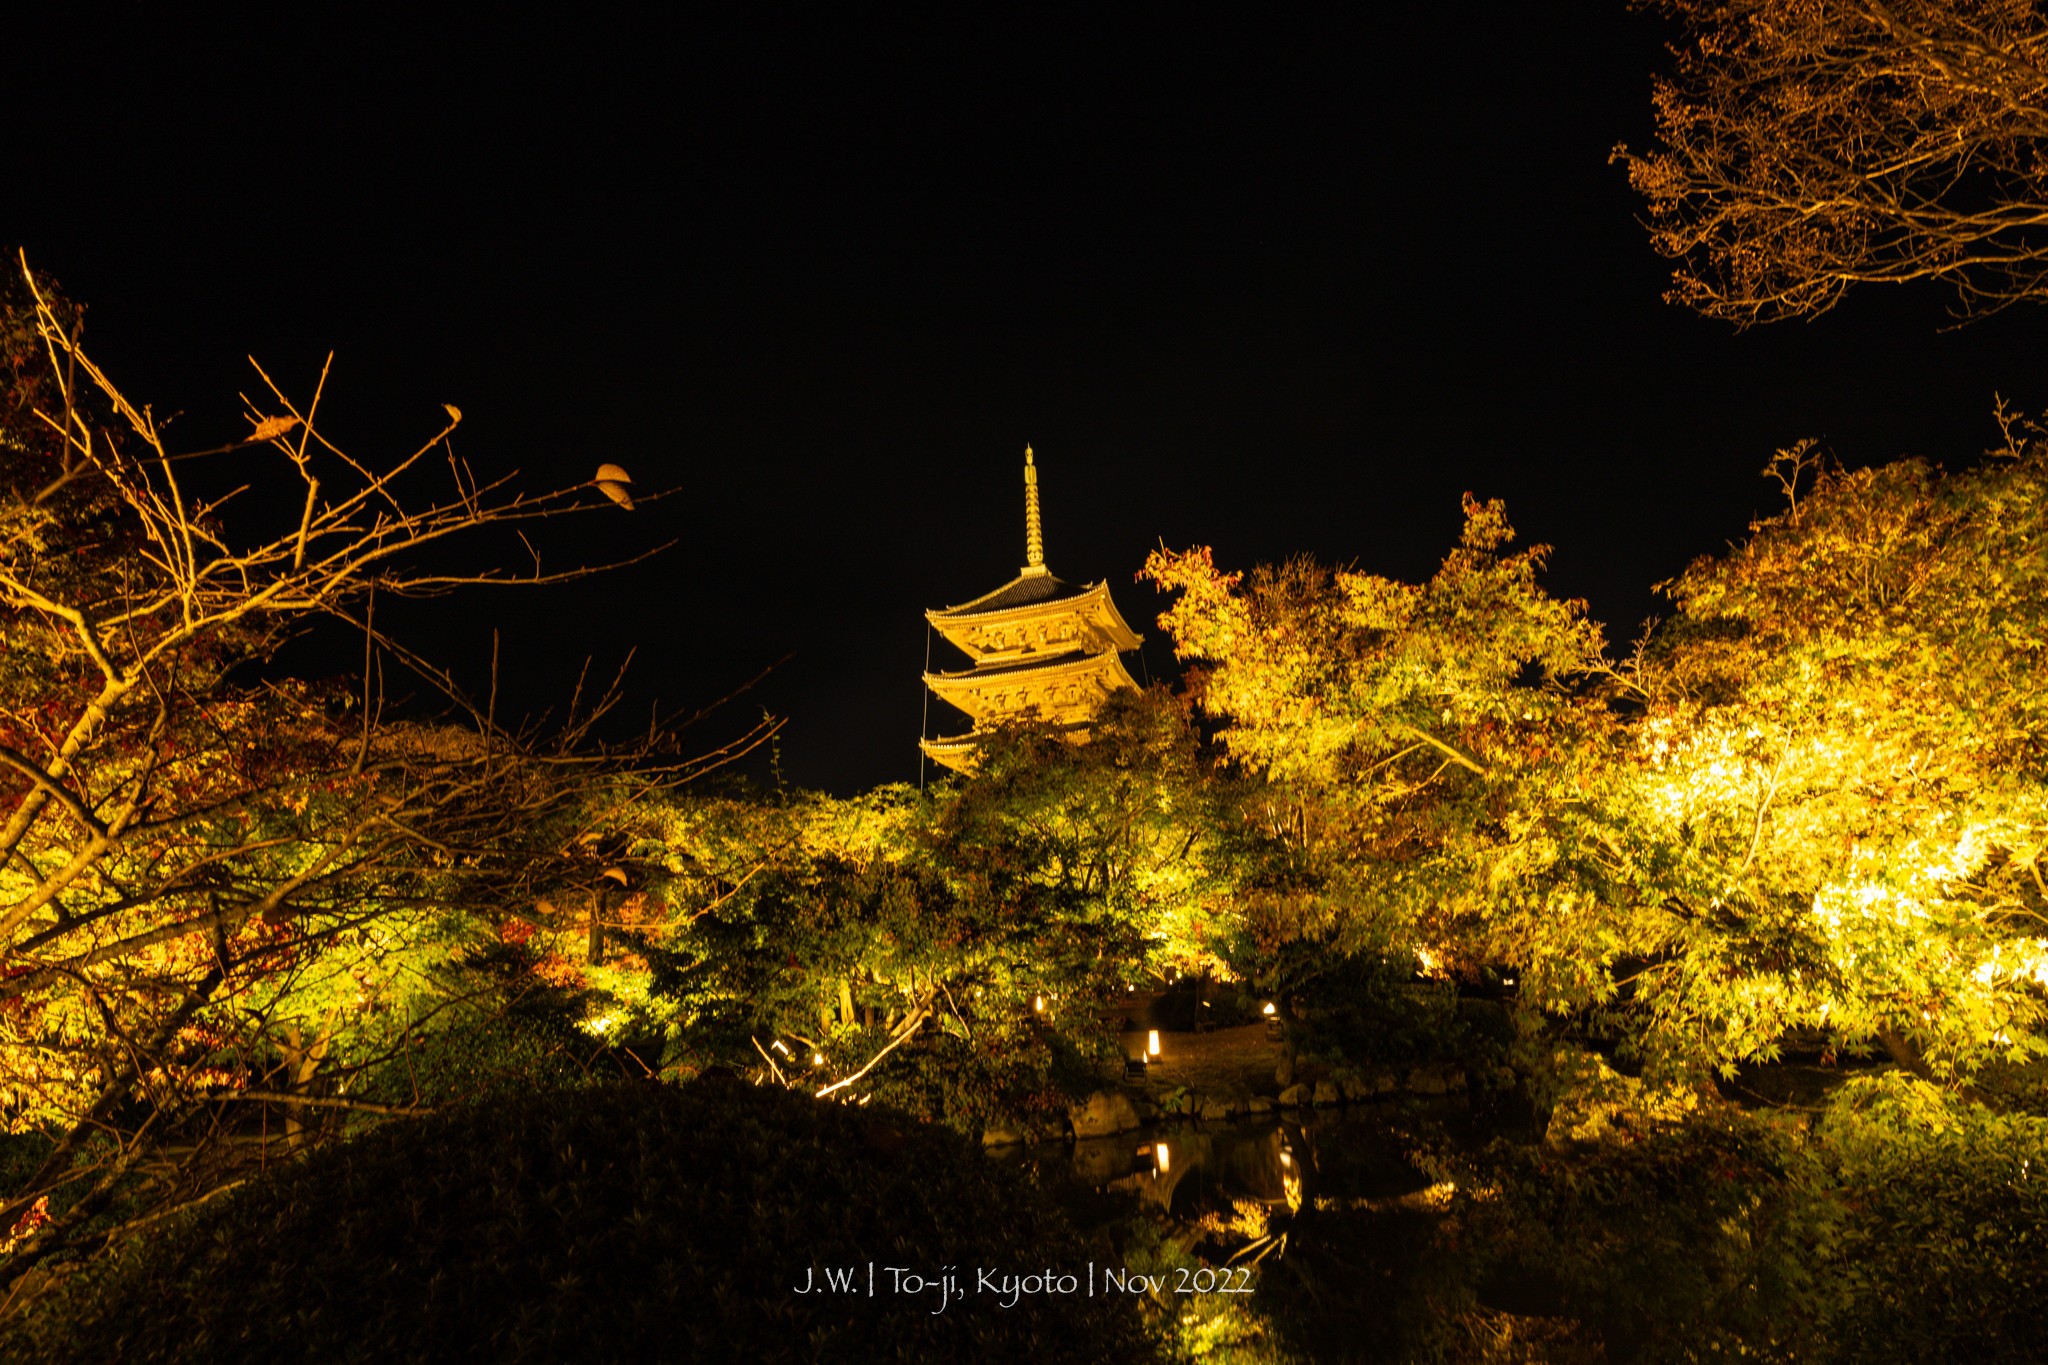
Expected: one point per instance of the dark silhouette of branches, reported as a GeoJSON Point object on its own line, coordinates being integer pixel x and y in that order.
{"type": "Point", "coordinates": [1810, 146]}
{"type": "Point", "coordinates": [225, 900]}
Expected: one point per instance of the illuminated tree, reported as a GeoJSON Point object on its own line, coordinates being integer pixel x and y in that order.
{"type": "Point", "coordinates": [225, 898]}
{"type": "Point", "coordinates": [1117, 836]}
{"type": "Point", "coordinates": [1839, 812]}
{"type": "Point", "coordinates": [960, 953]}
{"type": "Point", "coordinates": [1813, 802]}
{"type": "Point", "coordinates": [1419, 755]}
{"type": "Point", "coordinates": [1809, 146]}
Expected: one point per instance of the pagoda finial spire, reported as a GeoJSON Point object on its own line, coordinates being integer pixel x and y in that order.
{"type": "Point", "coordinates": [1034, 544]}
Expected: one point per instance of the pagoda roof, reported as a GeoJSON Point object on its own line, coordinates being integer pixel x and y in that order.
{"type": "Point", "coordinates": [962, 753]}
{"type": "Point", "coordinates": [1030, 663]}
{"type": "Point", "coordinates": [957, 753]}
{"type": "Point", "coordinates": [1025, 590]}
{"type": "Point", "coordinates": [1034, 683]}
{"type": "Point", "coordinates": [1022, 619]}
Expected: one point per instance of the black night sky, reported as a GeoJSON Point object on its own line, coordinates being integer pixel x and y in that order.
{"type": "Point", "coordinates": [1263, 284]}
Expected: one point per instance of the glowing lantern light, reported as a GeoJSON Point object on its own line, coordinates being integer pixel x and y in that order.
{"type": "Point", "coordinates": [1163, 1157]}
{"type": "Point", "coordinates": [1152, 1043]}
{"type": "Point", "coordinates": [1269, 1011]}
{"type": "Point", "coordinates": [817, 1059]}
{"type": "Point", "coordinates": [1038, 1003]}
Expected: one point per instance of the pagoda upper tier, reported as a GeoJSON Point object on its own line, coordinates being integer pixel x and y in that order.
{"type": "Point", "coordinates": [1042, 648]}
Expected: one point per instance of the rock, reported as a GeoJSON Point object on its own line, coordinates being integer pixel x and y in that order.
{"type": "Point", "coordinates": [1297, 1096]}
{"type": "Point", "coordinates": [1355, 1088]}
{"type": "Point", "coordinates": [1386, 1083]}
{"type": "Point", "coordinates": [1425, 1082]}
{"type": "Point", "coordinates": [1327, 1093]}
{"type": "Point", "coordinates": [1147, 1111]}
{"type": "Point", "coordinates": [1215, 1108]}
{"type": "Point", "coordinates": [1259, 1104]}
{"type": "Point", "coordinates": [1002, 1137]}
{"type": "Point", "coordinates": [1051, 1130]}
{"type": "Point", "coordinates": [1454, 1079]}
{"type": "Point", "coordinates": [1103, 1113]}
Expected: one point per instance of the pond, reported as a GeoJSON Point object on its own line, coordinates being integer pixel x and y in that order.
{"type": "Point", "coordinates": [1338, 1232]}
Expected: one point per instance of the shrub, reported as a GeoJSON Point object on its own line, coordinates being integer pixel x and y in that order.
{"type": "Point", "coordinates": [616, 1222]}
{"type": "Point", "coordinates": [1013, 1071]}
{"type": "Point", "coordinates": [1941, 1250]}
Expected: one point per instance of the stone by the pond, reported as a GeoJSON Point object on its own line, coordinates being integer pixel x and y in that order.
{"type": "Point", "coordinates": [1297, 1095]}
{"type": "Point", "coordinates": [1051, 1130]}
{"type": "Point", "coordinates": [1355, 1088]}
{"type": "Point", "coordinates": [1002, 1137]}
{"type": "Point", "coordinates": [1259, 1104]}
{"type": "Point", "coordinates": [1385, 1084]}
{"type": "Point", "coordinates": [1215, 1108]}
{"type": "Point", "coordinates": [1327, 1093]}
{"type": "Point", "coordinates": [1103, 1113]}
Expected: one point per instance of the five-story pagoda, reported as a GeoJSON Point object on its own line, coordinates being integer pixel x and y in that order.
{"type": "Point", "coordinates": [1043, 649]}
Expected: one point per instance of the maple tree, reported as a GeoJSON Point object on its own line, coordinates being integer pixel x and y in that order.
{"type": "Point", "coordinates": [1418, 756]}
{"type": "Point", "coordinates": [228, 897]}
{"type": "Point", "coordinates": [1811, 146]}
{"type": "Point", "coordinates": [961, 952]}
{"type": "Point", "coordinates": [1838, 818]}
{"type": "Point", "coordinates": [1811, 802]}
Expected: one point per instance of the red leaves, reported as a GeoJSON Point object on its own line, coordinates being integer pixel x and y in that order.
{"type": "Point", "coordinates": [37, 1215]}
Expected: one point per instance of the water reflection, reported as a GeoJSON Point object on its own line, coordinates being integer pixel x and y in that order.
{"type": "Point", "coordinates": [1327, 1204]}
{"type": "Point", "coordinates": [1336, 1154]}
{"type": "Point", "coordinates": [1184, 1164]}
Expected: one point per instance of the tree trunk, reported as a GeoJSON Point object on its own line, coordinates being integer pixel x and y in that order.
{"type": "Point", "coordinates": [301, 1064]}
{"type": "Point", "coordinates": [1290, 1046]}
{"type": "Point", "coordinates": [595, 950]}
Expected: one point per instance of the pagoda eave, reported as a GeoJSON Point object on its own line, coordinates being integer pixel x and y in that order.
{"type": "Point", "coordinates": [1086, 620]}
{"type": "Point", "coordinates": [1062, 689]}
{"type": "Point", "coordinates": [962, 753]}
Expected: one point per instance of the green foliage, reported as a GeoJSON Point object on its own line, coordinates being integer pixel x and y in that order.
{"type": "Point", "coordinates": [1216, 1328]}
{"type": "Point", "coordinates": [1905, 1226]}
{"type": "Point", "coordinates": [1813, 801]}
{"type": "Point", "coordinates": [1676, 1242]}
{"type": "Point", "coordinates": [1833, 811]}
{"type": "Point", "coordinates": [973, 945]}
{"type": "Point", "coordinates": [1012, 1069]}
{"type": "Point", "coordinates": [1366, 1011]}
{"type": "Point", "coordinates": [622, 1222]}
{"type": "Point", "coordinates": [499, 1031]}
{"type": "Point", "coordinates": [1939, 1244]}
{"type": "Point", "coordinates": [848, 931]}
{"type": "Point", "coordinates": [1416, 758]}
